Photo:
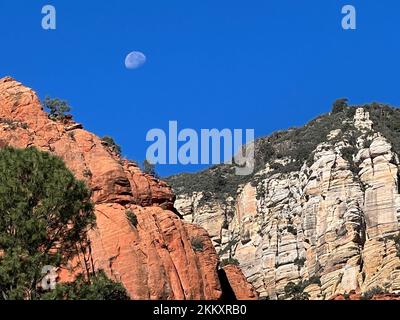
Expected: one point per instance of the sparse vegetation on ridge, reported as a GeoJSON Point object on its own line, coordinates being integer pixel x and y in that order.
{"type": "Point", "coordinates": [386, 120]}
{"type": "Point", "coordinates": [110, 143]}
{"type": "Point", "coordinates": [149, 168]}
{"type": "Point", "coordinates": [296, 144]}
{"type": "Point", "coordinates": [57, 108]}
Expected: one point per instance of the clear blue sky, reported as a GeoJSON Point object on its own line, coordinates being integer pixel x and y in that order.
{"type": "Point", "coordinates": [265, 65]}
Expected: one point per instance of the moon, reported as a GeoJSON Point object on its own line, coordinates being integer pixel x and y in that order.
{"type": "Point", "coordinates": [135, 60]}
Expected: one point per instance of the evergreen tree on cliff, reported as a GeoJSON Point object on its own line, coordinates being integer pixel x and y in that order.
{"type": "Point", "coordinates": [45, 214]}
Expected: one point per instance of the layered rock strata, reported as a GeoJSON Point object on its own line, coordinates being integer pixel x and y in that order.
{"type": "Point", "coordinates": [333, 221]}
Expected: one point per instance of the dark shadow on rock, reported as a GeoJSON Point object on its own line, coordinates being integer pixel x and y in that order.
{"type": "Point", "coordinates": [227, 292]}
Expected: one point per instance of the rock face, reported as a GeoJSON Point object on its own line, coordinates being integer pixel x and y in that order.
{"type": "Point", "coordinates": [155, 258]}
{"type": "Point", "coordinates": [242, 289]}
{"type": "Point", "coordinates": [214, 215]}
{"type": "Point", "coordinates": [333, 221]}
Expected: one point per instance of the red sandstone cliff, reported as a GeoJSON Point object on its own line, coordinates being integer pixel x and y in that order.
{"type": "Point", "coordinates": [155, 259]}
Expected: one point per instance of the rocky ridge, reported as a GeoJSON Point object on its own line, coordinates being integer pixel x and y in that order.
{"type": "Point", "coordinates": [333, 219]}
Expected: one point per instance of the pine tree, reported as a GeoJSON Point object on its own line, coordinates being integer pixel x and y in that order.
{"type": "Point", "coordinates": [44, 213]}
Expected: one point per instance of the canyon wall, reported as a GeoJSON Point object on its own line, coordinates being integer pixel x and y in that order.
{"type": "Point", "coordinates": [332, 223]}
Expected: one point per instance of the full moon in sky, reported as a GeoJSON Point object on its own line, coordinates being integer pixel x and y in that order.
{"type": "Point", "coordinates": [135, 60]}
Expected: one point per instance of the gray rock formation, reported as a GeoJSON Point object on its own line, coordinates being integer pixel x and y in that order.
{"type": "Point", "coordinates": [334, 220]}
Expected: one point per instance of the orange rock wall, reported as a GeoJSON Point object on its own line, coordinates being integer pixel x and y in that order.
{"type": "Point", "coordinates": [155, 259]}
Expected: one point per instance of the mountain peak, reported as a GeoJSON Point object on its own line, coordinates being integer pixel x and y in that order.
{"type": "Point", "coordinates": [20, 103]}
